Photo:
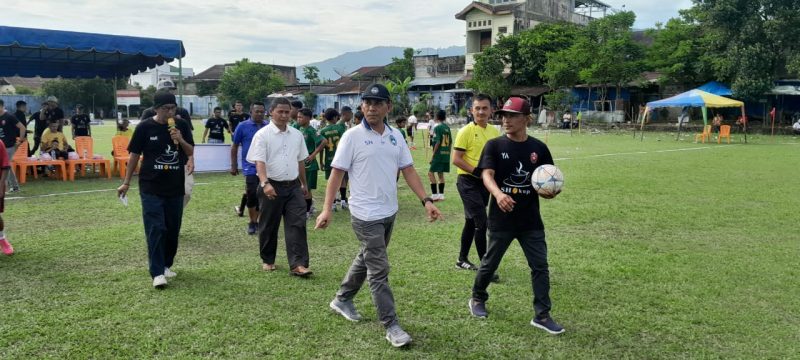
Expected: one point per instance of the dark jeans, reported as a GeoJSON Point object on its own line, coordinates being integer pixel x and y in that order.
{"type": "Point", "coordinates": [291, 205]}
{"type": "Point", "coordinates": [535, 249]}
{"type": "Point", "coordinates": [162, 224]}
{"type": "Point", "coordinates": [475, 198]}
{"type": "Point", "coordinates": [372, 263]}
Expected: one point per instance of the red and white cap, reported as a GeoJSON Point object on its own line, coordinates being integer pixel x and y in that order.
{"type": "Point", "coordinates": [516, 105]}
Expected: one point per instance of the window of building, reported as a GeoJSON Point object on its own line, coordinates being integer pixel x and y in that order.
{"type": "Point", "coordinates": [490, 22]}
{"type": "Point", "coordinates": [502, 29]}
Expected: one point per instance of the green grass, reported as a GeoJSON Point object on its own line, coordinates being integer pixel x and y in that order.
{"type": "Point", "coordinates": [654, 254]}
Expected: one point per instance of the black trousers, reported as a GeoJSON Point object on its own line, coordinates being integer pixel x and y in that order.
{"type": "Point", "coordinates": [475, 198]}
{"type": "Point", "coordinates": [291, 205]}
{"type": "Point", "coordinates": [535, 249]}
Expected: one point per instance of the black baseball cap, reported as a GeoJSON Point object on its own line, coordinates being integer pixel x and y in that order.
{"type": "Point", "coordinates": [162, 98]}
{"type": "Point", "coordinates": [376, 91]}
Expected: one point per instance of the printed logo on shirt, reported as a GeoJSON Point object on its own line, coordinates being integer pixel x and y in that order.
{"type": "Point", "coordinates": [516, 181]}
{"type": "Point", "coordinates": [534, 157]}
{"type": "Point", "coordinates": [154, 138]}
{"type": "Point", "coordinates": [504, 156]}
{"type": "Point", "coordinates": [168, 160]}
{"type": "Point", "coordinates": [393, 140]}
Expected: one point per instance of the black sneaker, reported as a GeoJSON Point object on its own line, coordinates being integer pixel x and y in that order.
{"type": "Point", "coordinates": [547, 323]}
{"type": "Point", "coordinates": [478, 309]}
{"type": "Point", "coordinates": [465, 265]}
{"type": "Point", "coordinates": [495, 278]}
{"type": "Point", "coordinates": [251, 229]}
{"type": "Point", "coordinates": [239, 211]}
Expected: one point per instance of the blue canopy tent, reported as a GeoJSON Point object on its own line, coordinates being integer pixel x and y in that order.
{"type": "Point", "coordinates": [53, 53]}
{"type": "Point", "coordinates": [694, 98]}
{"type": "Point", "coordinates": [716, 88]}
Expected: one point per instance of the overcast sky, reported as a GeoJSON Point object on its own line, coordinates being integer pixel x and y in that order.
{"type": "Point", "coordinates": [294, 32]}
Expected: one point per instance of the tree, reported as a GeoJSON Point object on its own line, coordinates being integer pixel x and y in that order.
{"type": "Point", "coordinates": [526, 52]}
{"type": "Point", "coordinates": [69, 92]}
{"type": "Point", "coordinates": [487, 77]}
{"type": "Point", "coordinates": [146, 96]}
{"type": "Point", "coordinates": [206, 88]}
{"type": "Point", "coordinates": [399, 93]}
{"type": "Point", "coordinates": [23, 90]}
{"type": "Point", "coordinates": [560, 74]}
{"type": "Point", "coordinates": [612, 55]}
{"type": "Point", "coordinates": [249, 82]}
{"type": "Point", "coordinates": [310, 100]}
{"type": "Point", "coordinates": [678, 53]}
{"type": "Point", "coordinates": [402, 68]}
{"type": "Point", "coordinates": [311, 73]}
{"type": "Point", "coordinates": [749, 43]}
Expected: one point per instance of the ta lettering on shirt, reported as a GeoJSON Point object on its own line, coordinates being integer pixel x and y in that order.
{"type": "Point", "coordinates": [514, 163]}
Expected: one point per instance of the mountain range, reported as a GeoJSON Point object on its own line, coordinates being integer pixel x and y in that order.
{"type": "Point", "coordinates": [348, 62]}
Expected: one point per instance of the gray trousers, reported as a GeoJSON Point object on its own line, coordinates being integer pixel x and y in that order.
{"type": "Point", "coordinates": [372, 263]}
{"type": "Point", "coordinates": [11, 180]}
{"type": "Point", "coordinates": [291, 205]}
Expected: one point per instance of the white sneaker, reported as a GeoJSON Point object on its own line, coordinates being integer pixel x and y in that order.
{"type": "Point", "coordinates": [344, 204]}
{"type": "Point", "coordinates": [441, 197]}
{"type": "Point", "coordinates": [169, 273]}
{"type": "Point", "coordinates": [333, 207]}
{"type": "Point", "coordinates": [159, 282]}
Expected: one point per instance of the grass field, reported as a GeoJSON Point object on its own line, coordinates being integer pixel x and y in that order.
{"type": "Point", "coordinates": [658, 249]}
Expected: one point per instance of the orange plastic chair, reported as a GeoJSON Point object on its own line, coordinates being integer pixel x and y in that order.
{"type": "Point", "coordinates": [724, 132]}
{"type": "Point", "coordinates": [120, 145]}
{"type": "Point", "coordinates": [706, 135]}
{"type": "Point", "coordinates": [85, 146]}
{"type": "Point", "coordinates": [21, 164]}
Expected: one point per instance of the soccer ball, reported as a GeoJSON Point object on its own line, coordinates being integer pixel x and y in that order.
{"type": "Point", "coordinates": [547, 180]}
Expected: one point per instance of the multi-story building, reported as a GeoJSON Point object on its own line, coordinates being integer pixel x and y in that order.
{"type": "Point", "coordinates": [487, 20]}
{"type": "Point", "coordinates": [151, 77]}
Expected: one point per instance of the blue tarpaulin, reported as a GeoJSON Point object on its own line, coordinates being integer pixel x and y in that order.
{"type": "Point", "coordinates": [716, 89]}
{"type": "Point", "coordinates": [53, 53]}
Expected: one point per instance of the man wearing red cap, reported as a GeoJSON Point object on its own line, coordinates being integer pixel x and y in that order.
{"type": "Point", "coordinates": [507, 163]}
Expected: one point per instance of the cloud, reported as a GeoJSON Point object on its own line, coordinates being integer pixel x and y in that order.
{"type": "Point", "coordinates": [283, 32]}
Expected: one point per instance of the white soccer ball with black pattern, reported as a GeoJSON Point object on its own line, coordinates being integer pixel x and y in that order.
{"type": "Point", "coordinates": [547, 180]}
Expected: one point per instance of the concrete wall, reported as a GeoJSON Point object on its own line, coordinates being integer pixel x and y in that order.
{"type": "Point", "coordinates": [34, 102]}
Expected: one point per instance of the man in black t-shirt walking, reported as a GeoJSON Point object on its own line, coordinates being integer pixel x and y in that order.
{"type": "Point", "coordinates": [165, 149]}
{"type": "Point", "coordinates": [508, 163]}
{"type": "Point", "coordinates": [236, 116]}
{"type": "Point", "coordinates": [81, 125]}
{"type": "Point", "coordinates": [180, 113]}
{"type": "Point", "coordinates": [215, 128]}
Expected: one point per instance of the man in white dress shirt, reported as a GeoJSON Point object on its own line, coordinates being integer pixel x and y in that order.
{"type": "Point", "coordinates": [279, 152]}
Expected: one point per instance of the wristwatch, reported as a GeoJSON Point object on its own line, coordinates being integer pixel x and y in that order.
{"type": "Point", "coordinates": [264, 183]}
{"type": "Point", "coordinates": [426, 200]}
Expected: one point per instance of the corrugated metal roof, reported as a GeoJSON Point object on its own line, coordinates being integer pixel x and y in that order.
{"type": "Point", "coordinates": [433, 81]}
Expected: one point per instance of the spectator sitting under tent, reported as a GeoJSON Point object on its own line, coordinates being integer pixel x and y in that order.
{"type": "Point", "coordinates": [54, 142]}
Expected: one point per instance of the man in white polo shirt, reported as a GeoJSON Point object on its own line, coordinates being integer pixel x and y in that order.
{"type": "Point", "coordinates": [279, 152]}
{"type": "Point", "coordinates": [372, 153]}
